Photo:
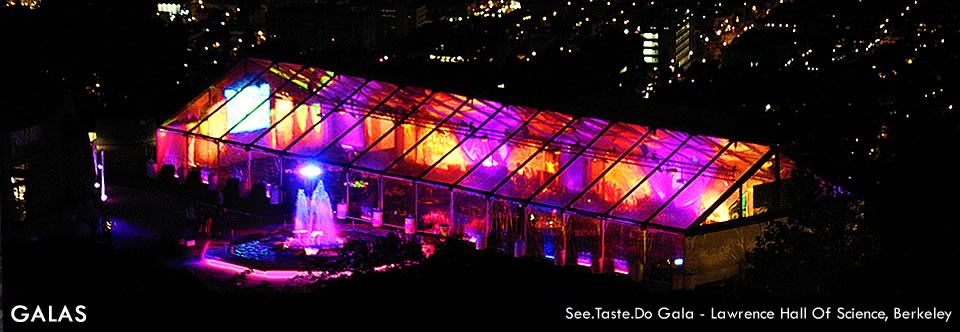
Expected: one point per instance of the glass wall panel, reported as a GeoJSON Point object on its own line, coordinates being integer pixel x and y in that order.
{"type": "Point", "coordinates": [265, 169]}
{"type": "Point", "coordinates": [171, 148]}
{"type": "Point", "coordinates": [544, 229]}
{"type": "Point", "coordinates": [470, 212]}
{"type": "Point", "coordinates": [584, 239]}
{"type": "Point", "coordinates": [398, 200]}
{"type": "Point", "coordinates": [507, 220]}
{"type": "Point", "coordinates": [663, 247]}
{"type": "Point", "coordinates": [233, 173]}
{"type": "Point", "coordinates": [624, 248]}
{"type": "Point", "coordinates": [433, 209]}
{"type": "Point", "coordinates": [364, 194]}
{"type": "Point", "coordinates": [335, 180]}
{"type": "Point", "coordinates": [232, 163]}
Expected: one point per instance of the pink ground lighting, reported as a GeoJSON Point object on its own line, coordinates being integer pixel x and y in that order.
{"type": "Point", "coordinates": [279, 274]}
{"type": "Point", "coordinates": [230, 267]}
{"type": "Point", "coordinates": [269, 274]}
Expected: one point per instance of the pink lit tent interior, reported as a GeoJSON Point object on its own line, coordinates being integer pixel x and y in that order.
{"type": "Point", "coordinates": [613, 196]}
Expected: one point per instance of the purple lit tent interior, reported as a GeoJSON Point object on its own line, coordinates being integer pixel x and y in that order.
{"type": "Point", "coordinates": [614, 196]}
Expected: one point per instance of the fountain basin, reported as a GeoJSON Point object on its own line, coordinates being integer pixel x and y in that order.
{"type": "Point", "coordinates": [276, 251]}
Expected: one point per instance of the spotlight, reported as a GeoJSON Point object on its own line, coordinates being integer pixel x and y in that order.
{"type": "Point", "coordinates": [310, 171]}
{"type": "Point", "coordinates": [678, 262]}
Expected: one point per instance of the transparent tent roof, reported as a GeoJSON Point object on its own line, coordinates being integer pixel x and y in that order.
{"type": "Point", "coordinates": [588, 165]}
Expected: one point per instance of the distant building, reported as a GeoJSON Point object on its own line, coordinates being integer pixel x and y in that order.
{"type": "Point", "coordinates": [438, 10]}
{"type": "Point", "coordinates": [669, 43]}
{"type": "Point", "coordinates": [169, 10]}
{"type": "Point", "coordinates": [397, 18]}
{"type": "Point", "coordinates": [319, 26]}
{"type": "Point", "coordinates": [365, 24]}
{"type": "Point", "coordinates": [421, 17]}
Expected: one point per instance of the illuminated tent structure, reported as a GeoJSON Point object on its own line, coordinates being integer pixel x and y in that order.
{"type": "Point", "coordinates": [614, 196]}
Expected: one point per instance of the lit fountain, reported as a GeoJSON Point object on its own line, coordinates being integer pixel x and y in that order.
{"type": "Point", "coordinates": [314, 226]}
{"type": "Point", "coordinates": [310, 249]}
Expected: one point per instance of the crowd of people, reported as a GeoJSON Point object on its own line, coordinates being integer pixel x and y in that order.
{"type": "Point", "coordinates": [210, 202]}
{"type": "Point", "coordinates": [191, 185]}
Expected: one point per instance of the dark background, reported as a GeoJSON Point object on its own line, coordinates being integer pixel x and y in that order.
{"type": "Point", "coordinates": [910, 189]}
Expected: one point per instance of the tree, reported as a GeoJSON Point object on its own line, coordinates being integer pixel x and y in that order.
{"type": "Point", "coordinates": [827, 236]}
